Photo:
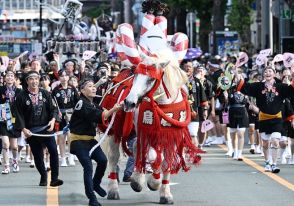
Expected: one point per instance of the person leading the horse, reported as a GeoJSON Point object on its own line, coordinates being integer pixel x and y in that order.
{"type": "Point", "coordinates": [85, 118]}
{"type": "Point", "coordinates": [269, 96]}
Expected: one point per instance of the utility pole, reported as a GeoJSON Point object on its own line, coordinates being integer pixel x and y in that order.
{"type": "Point", "coordinates": [116, 12]}
{"type": "Point", "coordinates": [271, 39]}
{"type": "Point", "coordinates": [41, 23]}
{"type": "Point", "coordinates": [190, 19]}
{"type": "Point", "coordinates": [258, 22]}
{"type": "Point", "coordinates": [127, 9]}
{"type": "Point", "coordinates": [281, 27]}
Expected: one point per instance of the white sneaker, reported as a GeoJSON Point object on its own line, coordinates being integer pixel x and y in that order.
{"type": "Point", "coordinates": [275, 169]}
{"type": "Point", "coordinates": [283, 159]}
{"type": "Point", "coordinates": [291, 160]}
{"type": "Point", "coordinates": [32, 165]}
{"type": "Point", "coordinates": [229, 153]}
{"type": "Point", "coordinates": [252, 149]}
{"type": "Point", "coordinates": [235, 157]}
{"type": "Point", "coordinates": [240, 157]}
{"type": "Point", "coordinates": [63, 162]}
{"type": "Point", "coordinates": [71, 160]}
{"type": "Point", "coordinates": [15, 166]}
{"type": "Point", "coordinates": [6, 170]}
{"type": "Point", "coordinates": [258, 150]}
{"type": "Point", "coordinates": [267, 167]}
{"type": "Point", "coordinates": [28, 159]}
{"type": "Point", "coordinates": [288, 152]}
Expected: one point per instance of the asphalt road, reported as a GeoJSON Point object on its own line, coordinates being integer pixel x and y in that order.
{"type": "Point", "coordinates": [218, 181]}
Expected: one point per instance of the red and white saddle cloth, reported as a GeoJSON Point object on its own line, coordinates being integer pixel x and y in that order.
{"type": "Point", "coordinates": [168, 136]}
{"type": "Point", "coordinates": [123, 123]}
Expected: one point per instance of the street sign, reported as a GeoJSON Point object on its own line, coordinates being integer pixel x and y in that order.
{"type": "Point", "coordinates": [197, 25]}
{"type": "Point", "coordinates": [286, 14]}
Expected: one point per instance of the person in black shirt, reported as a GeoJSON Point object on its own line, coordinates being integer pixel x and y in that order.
{"type": "Point", "coordinates": [36, 114]}
{"type": "Point", "coordinates": [8, 134]}
{"type": "Point", "coordinates": [66, 97]}
{"type": "Point", "coordinates": [269, 96]}
{"type": "Point", "coordinates": [198, 101]}
{"type": "Point", "coordinates": [208, 89]}
{"type": "Point", "coordinates": [238, 120]}
{"type": "Point", "coordinates": [83, 124]}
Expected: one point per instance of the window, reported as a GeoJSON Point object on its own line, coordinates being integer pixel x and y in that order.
{"type": "Point", "coordinates": [14, 4]}
{"type": "Point", "coordinates": [2, 4]}
{"type": "Point", "coordinates": [22, 4]}
{"type": "Point", "coordinates": [28, 4]}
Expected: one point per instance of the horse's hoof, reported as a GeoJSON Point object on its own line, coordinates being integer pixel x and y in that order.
{"type": "Point", "coordinates": [136, 186]}
{"type": "Point", "coordinates": [112, 195]}
{"type": "Point", "coordinates": [151, 188]}
{"type": "Point", "coordinates": [166, 201]}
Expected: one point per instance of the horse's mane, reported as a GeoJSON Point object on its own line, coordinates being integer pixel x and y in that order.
{"type": "Point", "coordinates": [174, 77]}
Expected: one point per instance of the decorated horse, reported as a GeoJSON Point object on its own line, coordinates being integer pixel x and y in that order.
{"type": "Point", "coordinates": [161, 116]}
{"type": "Point", "coordinates": [157, 104]}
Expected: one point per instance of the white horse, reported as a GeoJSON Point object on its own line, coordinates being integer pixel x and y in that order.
{"type": "Point", "coordinates": [161, 115]}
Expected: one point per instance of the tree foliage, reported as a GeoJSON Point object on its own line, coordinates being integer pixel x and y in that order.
{"type": "Point", "coordinates": [204, 13]}
{"type": "Point", "coordinates": [203, 7]}
{"type": "Point", "coordinates": [240, 19]}
{"type": "Point", "coordinates": [97, 11]}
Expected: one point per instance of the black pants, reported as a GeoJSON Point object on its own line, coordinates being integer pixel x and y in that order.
{"type": "Point", "coordinates": [37, 145]}
{"type": "Point", "coordinates": [0, 146]}
{"type": "Point", "coordinates": [81, 150]}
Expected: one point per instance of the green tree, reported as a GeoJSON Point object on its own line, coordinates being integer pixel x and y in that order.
{"type": "Point", "coordinates": [179, 9]}
{"type": "Point", "coordinates": [240, 20]}
{"type": "Point", "coordinates": [97, 11]}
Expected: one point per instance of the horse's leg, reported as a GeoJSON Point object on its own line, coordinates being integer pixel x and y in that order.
{"type": "Point", "coordinates": [154, 180]}
{"type": "Point", "coordinates": [113, 158]}
{"type": "Point", "coordinates": [165, 195]}
{"type": "Point", "coordinates": [137, 178]}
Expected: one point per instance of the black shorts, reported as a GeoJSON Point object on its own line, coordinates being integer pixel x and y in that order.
{"type": "Point", "coordinates": [4, 132]}
{"type": "Point", "coordinates": [288, 130]}
{"type": "Point", "coordinates": [238, 117]}
{"type": "Point", "coordinates": [253, 119]}
{"type": "Point", "coordinates": [270, 126]}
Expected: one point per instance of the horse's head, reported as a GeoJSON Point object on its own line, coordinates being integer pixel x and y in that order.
{"type": "Point", "coordinates": [153, 42]}
{"type": "Point", "coordinates": [146, 75]}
